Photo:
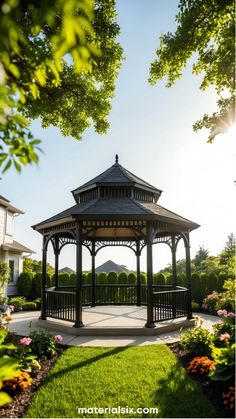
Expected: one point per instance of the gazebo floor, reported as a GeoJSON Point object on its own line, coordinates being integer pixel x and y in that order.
{"type": "Point", "coordinates": [115, 321]}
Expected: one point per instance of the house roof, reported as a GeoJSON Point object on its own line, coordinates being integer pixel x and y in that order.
{"type": "Point", "coordinates": [111, 266]}
{"type": "Point", "coordinates": [6, 203]}
{"type": "Point", "coordinates": [16, 247]}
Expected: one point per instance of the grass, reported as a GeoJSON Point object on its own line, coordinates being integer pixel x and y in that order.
{"type": "Point", "coordinates": [143, 376]}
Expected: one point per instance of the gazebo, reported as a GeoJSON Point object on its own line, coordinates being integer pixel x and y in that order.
{"type": "Point", "coordinates": [116, 208]}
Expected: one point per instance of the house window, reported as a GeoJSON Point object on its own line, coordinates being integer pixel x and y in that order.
{"type": "Point", "coordinates": [12, 270]}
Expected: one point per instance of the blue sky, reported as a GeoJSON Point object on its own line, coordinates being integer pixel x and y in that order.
{"type": "Point", "coordinates": [151, 130]}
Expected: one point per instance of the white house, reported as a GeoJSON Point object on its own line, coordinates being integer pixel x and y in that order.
{"type": "Point", "coordinates": [11, 251]}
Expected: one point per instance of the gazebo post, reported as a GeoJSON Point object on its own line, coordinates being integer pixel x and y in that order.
{"type": "Point", "coordinates": [188, 275]}
{"type": "Point", "coordinates": [150, 323]}
{"type": "Point", "coordinates": [138, 273]}
{"type": "Point", "coordinates": [44, 281]}
{"type": "Point", "coordinates": [79, 271]}
{"type": "Point", "coordinates": [56, 253]}
{"type": "Point", "coordinates": [174, 274]}
{"type": "Point", "coordinates": [93, 275]}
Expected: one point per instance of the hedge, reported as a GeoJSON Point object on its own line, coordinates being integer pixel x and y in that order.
{"type": "Point", "coordinates": [132, 278]}
{"type": "Point", "coordinates": [196, 287]}
{"type": "Point", "coordinates": [212, 284]}
{"type": "Point", "coordinates": [102, 278]}
{"type": "Point", "coordinates": [122, 278]}
{"type": "Point", "coordinates": [24, 284]}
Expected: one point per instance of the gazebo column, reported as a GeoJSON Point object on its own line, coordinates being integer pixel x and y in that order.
{"type": "Point", "coordinates": [174, 274]}
{"type": "Point", "coordinates": [93, 275]}
{"type": "Point", "coordinates": [138, 253]}
{"type": "Point", "coordinates": [79, 271]}
{"type": "Point", "coordinates": [44, 281]}
{"type": "Point", "coordinates": [56, 266]}
{"type": "Point", "coordinates": [150, 323]}
{"type": "Point", "coordinates": [188, 276]}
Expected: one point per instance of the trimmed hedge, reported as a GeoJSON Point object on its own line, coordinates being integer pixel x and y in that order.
{"type": "Point", "coordinates": [29, 306]}
{"type": "Point", "coordinates": [24, 284]}
{"type": "Point", "coordinates": [112, 278]}
{"type": "Point", "coordinates": [122, 278]}
{"type": "Point", "coordinates": [212, 284]}
{"type": "Point", "coordinates": [63, 279]}
{"type": "Point", "coordinates": [196, 287]}
{"type": "Point", "coordinates": [102, 278]}
{"type": "Point", "coordinates": [132, 278]}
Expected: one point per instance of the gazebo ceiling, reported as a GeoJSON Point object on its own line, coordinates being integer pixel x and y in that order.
{"type": "Point", "coordinates": [112, 201]}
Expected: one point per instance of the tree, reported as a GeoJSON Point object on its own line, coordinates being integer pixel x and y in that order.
{"type": "Point", "coordinates": [58, 62]}
{"type": "Point", "coordinates": [206, 30]}
{"type": "Point", "coordinates": [200, 256]}
{"type": "Point", "coordinates": [35, 266]}
{"type": "Point", "coordinates": [227, 256]}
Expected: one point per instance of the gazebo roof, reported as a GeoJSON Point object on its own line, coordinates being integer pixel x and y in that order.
{"type": "Point", "coordinates": [117, 194]}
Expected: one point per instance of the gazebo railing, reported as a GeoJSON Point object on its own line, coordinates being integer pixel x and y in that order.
{"type": "Point", "coordinates": [170, 304]}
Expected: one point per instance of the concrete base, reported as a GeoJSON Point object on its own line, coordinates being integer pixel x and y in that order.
{"type": "Point", "coordinates": [162, 327]}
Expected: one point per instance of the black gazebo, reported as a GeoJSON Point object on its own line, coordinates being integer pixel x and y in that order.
{"type": "Point", "coordinates": [116, 208]}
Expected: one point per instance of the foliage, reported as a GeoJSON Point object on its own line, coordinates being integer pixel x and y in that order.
{"type": "Point", "coordinates": [196, 287]}
{"type": "Point", "coordinates": [200, 256]}
{"type": "Point", "coordinates": [134, 376]}
{"type": "Point", "coordinates": [229, 398]}
{"type": "Point", "coordinates": [222, 277]}
{"type": "Point", "coordinates": [17, 302]}
{"type": "Point", "coordinates": [225, 363]}
{"type": "Point", "coordinates": [143, 278]}
{"type": "Point", "coordinates": [72, 280]}
{"type": "Point", "coordinates": [18, 383]}
{"type": "Point", "coordinates": [24, 284]}
{"type": "Point", "coordinates": [63, 279]}
{"type": "Point", "coordinates": [102, 278]}
{"type": "Point", "coordinates": [59, 61]}
{"type": "Point", "coordinates": [212, 283]}
{"type": "Point", "coordinates": [206, 31]}
{"type": "Point", "coordinates": [224, 331]}
{"type": "Point", "coordinates": [227, 298]}
{"type": "Point", "coordinates": [201, 365]}
{"type": "Point", "coordinates": [131, 278]}
{"type": "Point", "coordinates": [197, 341]}
{"type": "Point", "coordinates": [229, 251]}
{"type": "Point", "coordinates": [35, 266]}
{"type": "Point", "coordinates": [4, 275]}
{"type": "Point", "coordinates": [37, 285]}
{"type": "Point", "coordinates": [160, 279]}
{"type": "Point", "coordinates": [38, 303]}
{"type": "Point", "coordinates": [210, 303]}
{"type": "Point", "coordinates": [122, 278]}
{"type": "Point", "coordinates": [195, 306]}
{"type": "Point", "coordinates": [29, 305]}
{"type": "Point", "coordinates": [112, 278]}
{"type": "Point", "coordinates": [43, 344]}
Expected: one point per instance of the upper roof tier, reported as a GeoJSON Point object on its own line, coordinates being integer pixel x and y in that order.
{"type": "Point", "coordinates": [116, 182]}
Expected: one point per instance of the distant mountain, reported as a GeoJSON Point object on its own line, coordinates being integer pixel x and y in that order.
{"type": "Point", "coordinates": [111, 266]}
{"type": "Point", "coordinates": [67, 270]}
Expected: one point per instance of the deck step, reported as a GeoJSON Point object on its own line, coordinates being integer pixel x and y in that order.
{"type": "Point", "coordinates": [162, 327]}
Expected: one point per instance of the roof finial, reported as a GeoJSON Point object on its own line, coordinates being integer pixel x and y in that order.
{"type": "Point", "coordinates": [117, 158]}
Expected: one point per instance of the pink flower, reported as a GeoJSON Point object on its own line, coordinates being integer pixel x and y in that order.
{"type": "Point", "coordinates": [25, 341]}
{"type": "Point", "coordinates": [222, 313]}
{"type": "Point", "coordinates": [58, 338]}
{"type": "Point", "coordinates": [230, 314]}
{"type": "Point", "coordinates": [225, 336]}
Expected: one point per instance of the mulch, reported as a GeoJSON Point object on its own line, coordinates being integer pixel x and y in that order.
{"type": "Point", "coordinates": [212, 389]}
{"type": "Point", "coordinates": [21, 401]}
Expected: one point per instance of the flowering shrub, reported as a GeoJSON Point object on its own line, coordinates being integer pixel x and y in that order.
{"type": "Point", "coordinates": [209, 303]}
{"type": "Point", "coordinates": [18, 383]}
{"type": "Point", "coordinates": [43, 344]}
{"type": "Point", "coordinates": [229, 398]}
{"type": "Point", "coordinates": [25, 341]}
{"type": "Point", "coordinates": [225, 330]}
{"type": "Point", "coordinates": [227, 298]}
{"type": "Point", "coordinates": [201, 365]}
{"type": "Point", "coordinates": [197, 341]}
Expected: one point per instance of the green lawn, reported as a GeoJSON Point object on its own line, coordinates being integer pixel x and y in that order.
{"type": "Point", "coordinates": [142, 376]}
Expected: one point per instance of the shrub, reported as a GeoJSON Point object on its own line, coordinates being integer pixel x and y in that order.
{"type": "Point", "coordinates": [222, 277]}
{"type": "Point", "coordinates": [38, 302]}
{"type": "Point", "coordinates": [122, 278]}
{"type": "Point", "coordinates": [195, 306]}
{"type": "Point", "coordinates": [180, 280]}
{"type": "Point", "coordinates": [201, 365]}
{"type": "Point", "coordinates": [18, 383]}
{"type": "Point", "coordinates": [132, 278]}
{"type": "Point", "coordinates": [196, 287]}
{"type": "Point", "coordinates": [229, 398]}
{"type": "Point", "coordinates": [72, 280]}
{"type": "Point", "coordinates": [169, 279]}
{"type": "Point", "coordinates": [212, 284]}
{"type": "Point", "coordinates": [224, 332]}
{"type": "Point", "coordinates": [197, 341]}
{"type": "Point", "coordinates": [17, 302]}
{"type": "Point", "coordinates": [227, 298]}
{"type": "Point", "coordinates": [4, 275]}
{"type": "Point", "coordinates": [225, 363]}
{"type": "Point", "coordinates": [143, 279]}
{"type": "Point", "coordinates": [160, 279]}
{"type": "Point", "coordinates": [210, 303]}
{"type": "Point", "coordinates": [29, 306]}
{"type": "Point", "coordinates": [203, 284]}
{"type": "Point", "coordinates": [112, 278]}
{"type": "Point", "coordinates": [43, 344]}
{"type": "Point", "coordinates": [63, 279]}
{"type": "Point", "coordinates": [24, 284]}
{"type": "Point", "coordinates": [89, 278]}
{"type": "Point", "coordinates": [102, 278]}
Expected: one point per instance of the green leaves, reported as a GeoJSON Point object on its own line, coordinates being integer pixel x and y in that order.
{"type": "Point", "coordinates": [59, 61]}
{"type": "Point", "coordinates": [205, 29]}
